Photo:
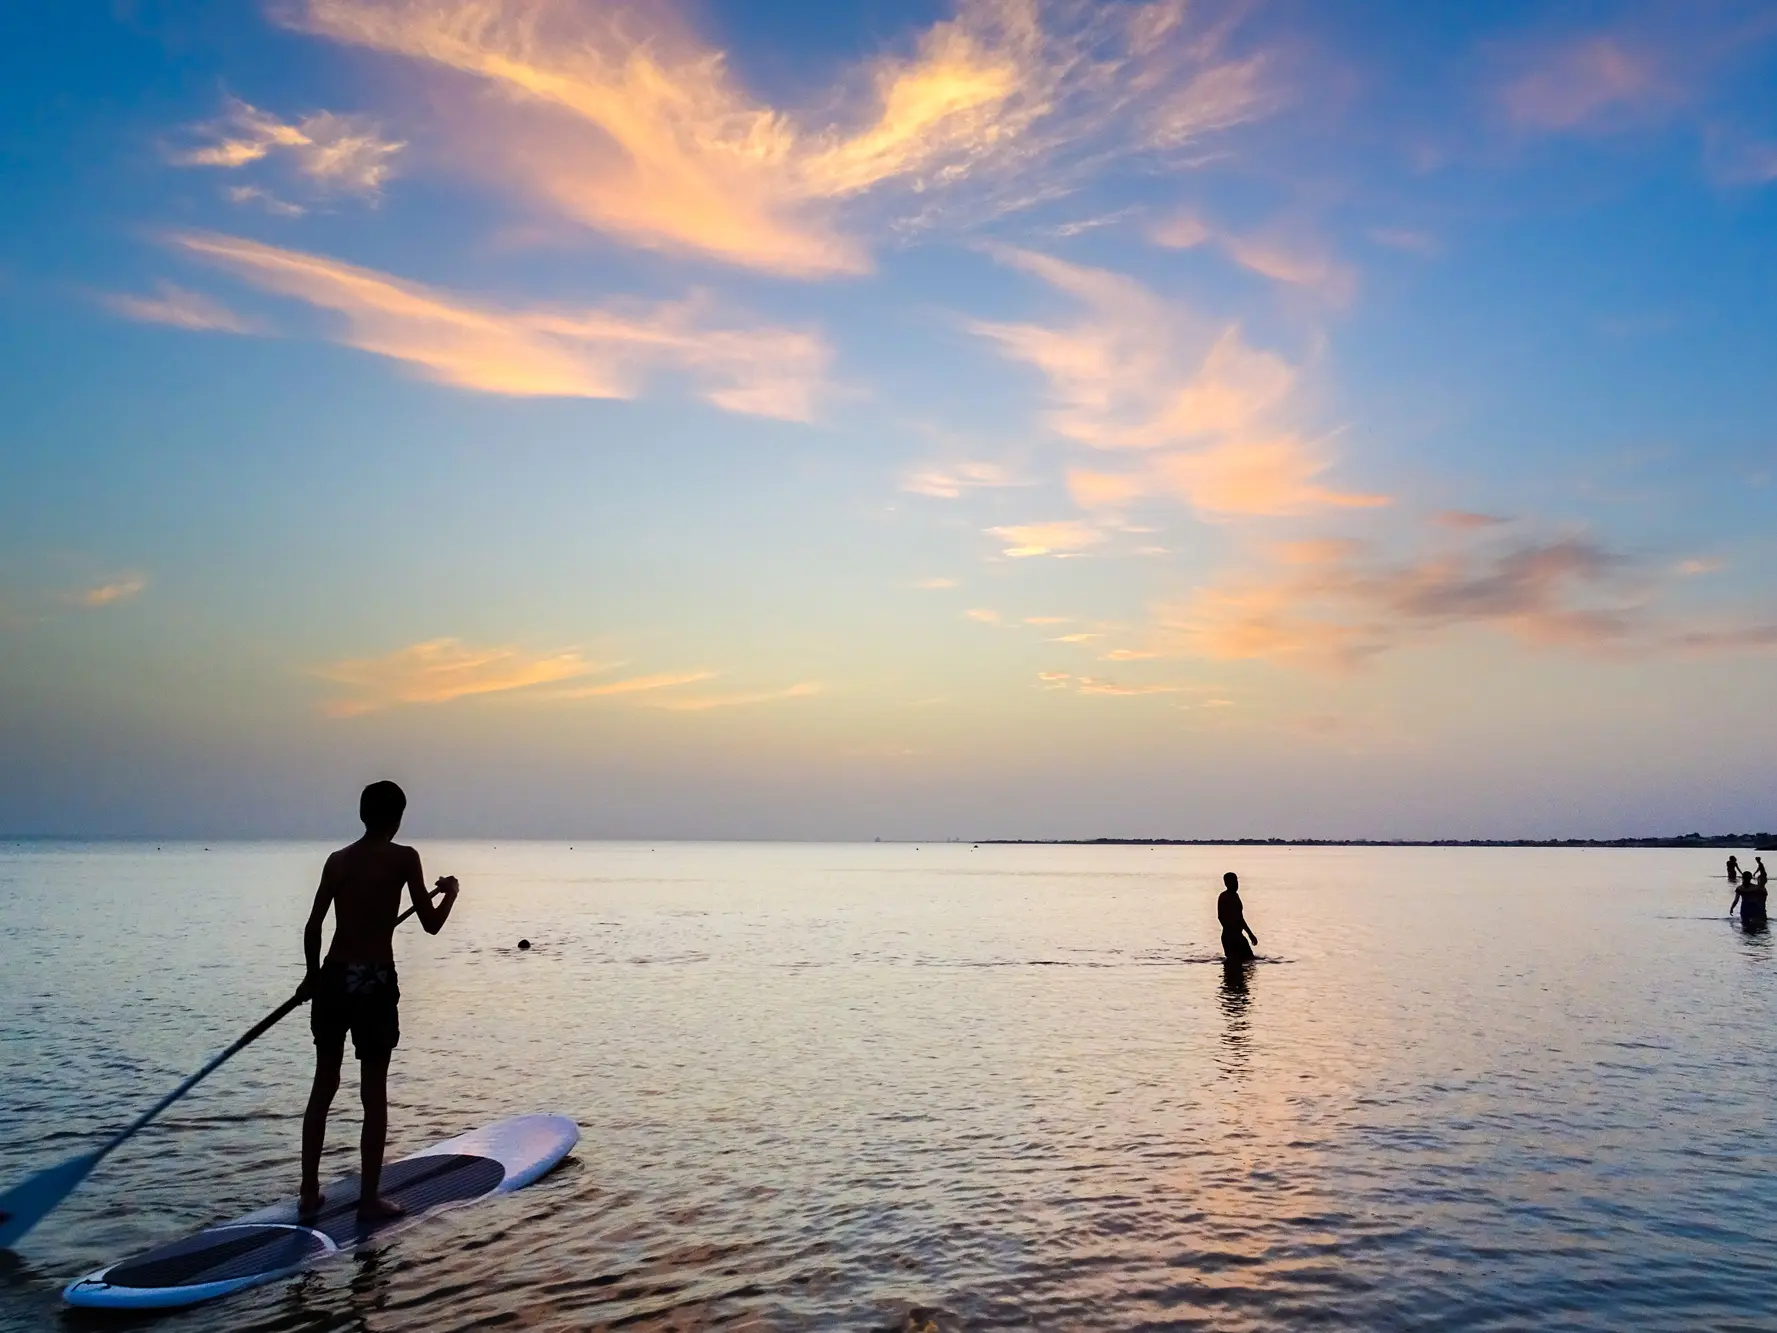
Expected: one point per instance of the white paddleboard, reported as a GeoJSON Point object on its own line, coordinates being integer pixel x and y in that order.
{"type": "Point", "coordinates": [275, 1242]}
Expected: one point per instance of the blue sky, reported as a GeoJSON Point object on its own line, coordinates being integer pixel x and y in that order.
{"type": "Point", "coordinates": [1012, 417]}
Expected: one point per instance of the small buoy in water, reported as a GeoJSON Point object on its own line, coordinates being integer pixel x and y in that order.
{"type": "Point", "coordinates": [524, 944]}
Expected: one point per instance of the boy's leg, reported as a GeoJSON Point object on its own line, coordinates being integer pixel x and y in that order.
{"type": "Point", "coordinates": [328, 1055]}
{"type": "Point", "coordinates": [373, 1077]}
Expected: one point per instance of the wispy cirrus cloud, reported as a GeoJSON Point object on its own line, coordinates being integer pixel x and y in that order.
{"type": "Point", "coordinates": [950, 481]}
{"type": "Point", "coordinates": [618, 117]}
{"type": "Point", "coordinates": [332, 152]}
{"type": "Point", "coordinates": [1467, 520]}
{"type": "Point", "coordinates": [1734, 157]}
{"type": "Point", "coordinates": [108, 593]}
{"type": "Point", "coordinates": [703, 703]}
{"type": "Point", "coordinates": [440, 670]}
{"type": "Point", "coordinates": [1338, 604]}
{"type": "Point", "coordinates": [1285, 253]}
{"type": "Point", "coordinates": [265, 199]}
{"type": "Point", "coordinates": [1598, 80]}
{"type": "Point", "coordinates": [182, 309]}
{"type": "Point", "coordinates": [604, 352]}
{"type": "Point", "coordinates": [665, 680]}
{"type": "Point", "coordinates": [1064, 537]}
{"type": "Point", "coordinates": [1199, 406]}
{"type": "Point", "coordinates": [1063, 680]}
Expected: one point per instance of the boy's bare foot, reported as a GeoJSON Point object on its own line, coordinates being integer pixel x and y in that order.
{"type": "Point", "coordinates": [309, 1202]}
{"type": "Point", "coordinates": [379, 1209]}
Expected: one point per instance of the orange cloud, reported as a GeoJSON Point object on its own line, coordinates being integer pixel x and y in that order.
{"type": "Point", "coordinates": [634, 685]}
{"type": "Point", "coordinates": [1091, 685]}
{"type": "Point", "coordinates": [1698, 565]}
{"type": "Point", "coordinates": [596, 353]}
{"type": "Point", "coordinates": [1329, 605]}
{"type": "Point", "coordinates": [1201, 408]}
{"type": "Point", "coordinates": [1104, 490]}
{"type": "Point", "coordinates": [703, 703]}
{"type": "Point", "coordinates": [617, 117]}
{"type": "Point", "coordinates": [335, 152]}
{"type": "Point", "coordinates": [440, 670]}
{"type": "Point", "coordinates": [1066, 537]}
{"type": "Point", "coordinates": [1062, 680]}
{"type": "Point", "coordinates": [1273, 476]}
{"type": "Point", "coordinates": [179, 308]}
{"type": "Point", "coordinates": [950, 482]}
{"type": "Point", "coordinates": [108, 594]}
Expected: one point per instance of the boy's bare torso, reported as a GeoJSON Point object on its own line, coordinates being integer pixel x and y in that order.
{"type": "Point", "coordinates": [366, 880]}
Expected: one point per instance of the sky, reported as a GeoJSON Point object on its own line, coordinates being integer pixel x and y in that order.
{"type": "Point", "coordinates": [993, 418]}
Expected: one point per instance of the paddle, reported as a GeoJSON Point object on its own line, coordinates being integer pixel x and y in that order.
{"type": "Point", "coordinates": [29, 1202]}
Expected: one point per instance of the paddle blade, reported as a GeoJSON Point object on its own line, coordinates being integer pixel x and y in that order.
{"type": "Point", "coordinates": [30, 1201]}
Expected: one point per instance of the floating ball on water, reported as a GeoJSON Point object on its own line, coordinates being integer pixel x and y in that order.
{"type": "Point", "coordinates": [524, 944]}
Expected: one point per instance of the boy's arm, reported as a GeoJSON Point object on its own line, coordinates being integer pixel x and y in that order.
{"type": "Point", "coordinates": [432, 916]}
{"type": "Point", "coordinates": [311, 933]}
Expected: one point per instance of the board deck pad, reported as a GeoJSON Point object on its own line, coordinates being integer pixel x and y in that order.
{"type": "Point", "coordinates": [418, 1184]}
{"type": "Point", "coordinates": [279, 1240]}
{"type": "Point", "coordinates": [218, 1254]}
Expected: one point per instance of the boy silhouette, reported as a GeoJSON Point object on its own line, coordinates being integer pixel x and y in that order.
{"type": "Point", "coordinates": [355, 990]}
{"type": "Point", "coordinates": [1232, 914]}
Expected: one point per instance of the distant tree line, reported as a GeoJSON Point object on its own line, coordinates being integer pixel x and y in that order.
{"type": "Point", "coordinates": [1756, 841]}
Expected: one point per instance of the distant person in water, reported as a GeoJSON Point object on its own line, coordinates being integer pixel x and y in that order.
{"type": "Point", "coordinates": [1733, 870]}
{"type": "Point", "coordinates": [1232, 914]}
{"type": "Point", "coordinates": [1760, 875]}
{"type": "Point", "coordinates": [355, 990]}
{"type": "Point", "coordinates": [1750, 895]}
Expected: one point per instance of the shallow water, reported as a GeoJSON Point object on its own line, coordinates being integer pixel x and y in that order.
{"type": "Point", "coordinates": [887, 1087]}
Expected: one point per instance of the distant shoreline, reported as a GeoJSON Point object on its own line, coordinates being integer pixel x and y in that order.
{"type": "Point", "coordinates": [1691, 841]}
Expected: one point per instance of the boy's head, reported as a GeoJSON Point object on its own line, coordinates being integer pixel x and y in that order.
{"type": "Point", "coordinates": [381, 807]}
{"type": "Point", "coordinates": [1231, 880]}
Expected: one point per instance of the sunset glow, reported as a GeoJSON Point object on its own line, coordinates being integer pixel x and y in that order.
{"type": "Point", "coordinates": [988, 417]}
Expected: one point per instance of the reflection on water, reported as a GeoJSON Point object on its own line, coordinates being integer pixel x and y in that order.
{"type": "Point", "coordinates": [871, 1088]}
{"type": "Point", "coordinates": [1236, 995]}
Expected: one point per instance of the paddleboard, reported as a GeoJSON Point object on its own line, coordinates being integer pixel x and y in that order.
{"type": "Point", "coordinates": [275, 1242]}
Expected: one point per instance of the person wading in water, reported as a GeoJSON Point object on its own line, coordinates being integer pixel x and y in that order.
{"type": "Point", "coordinates": [1232, 915]}
{"type": "Point", "coordinates": [1733, 870]}
{"type": "Point", "coordinates": [1750, 895]}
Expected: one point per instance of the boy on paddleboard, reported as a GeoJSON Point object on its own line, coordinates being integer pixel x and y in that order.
{"type": "Point", "coordinates": [355, 990]}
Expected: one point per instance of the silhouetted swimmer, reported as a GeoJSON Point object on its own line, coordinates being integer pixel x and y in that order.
{"type": "Point", "coordinates": [1760, 875]}
{"type": "Point", "coordinates": [1232, 914]}
{"type": "Point", "coordinates": [1733, 870]}
{"type": "Point", "coordinates": [524, 944]}
{"type": "Point", "coordinates": [1750, 895]}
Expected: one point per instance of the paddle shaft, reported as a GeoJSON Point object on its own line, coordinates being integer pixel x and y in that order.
{"type": "Point", "coordinates": [252, 1035]}
{"type": "Point", "coordinates": [30, 1201]}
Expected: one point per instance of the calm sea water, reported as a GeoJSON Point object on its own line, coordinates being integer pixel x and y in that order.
{"type": "Point", "coordinates": [897, 1087]}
